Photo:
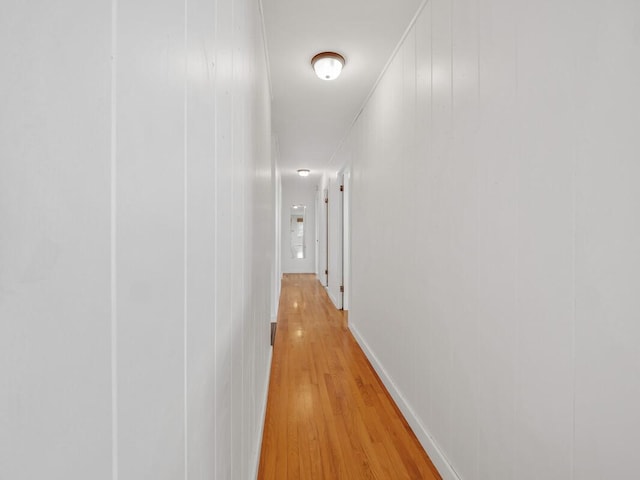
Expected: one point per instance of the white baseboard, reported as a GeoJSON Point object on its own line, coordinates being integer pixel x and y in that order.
{"type": "Point", "coordinates": [263, 415]}
{"type": "Point", "coordinates": [426, 440]}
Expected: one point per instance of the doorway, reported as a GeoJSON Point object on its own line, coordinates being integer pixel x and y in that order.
{"type": "Point", "coordinates": [336, 267]}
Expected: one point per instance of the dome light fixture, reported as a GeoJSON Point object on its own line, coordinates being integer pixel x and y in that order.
{"type": "Point", "coordinates": [327, 65]}
{"type": "Point", "coordinates": [304, 172]}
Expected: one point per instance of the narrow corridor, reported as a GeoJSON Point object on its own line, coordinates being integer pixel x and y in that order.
{"type": "Point", "coordinates": [328, 414]}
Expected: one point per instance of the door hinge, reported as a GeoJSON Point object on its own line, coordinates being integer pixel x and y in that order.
{"type": "Point", "coordinates": [341, 288]}
{"type": "Point", "coordinates": [342, 188]}
{"type": "Point", "coordinates": [326, 200]}
{"type": "Point", "coordinates": [326, 272]}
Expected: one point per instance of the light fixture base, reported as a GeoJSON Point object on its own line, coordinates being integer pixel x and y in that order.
{"type": "Point", "coordinates": [327, 65]}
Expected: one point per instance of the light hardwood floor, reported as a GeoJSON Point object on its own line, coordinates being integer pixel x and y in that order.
{"type": "Point", "coordinates": [328, 414]}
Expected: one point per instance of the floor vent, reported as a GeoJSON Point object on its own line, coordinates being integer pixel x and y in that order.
{"type": "Point", "coordinates": [273, 332]}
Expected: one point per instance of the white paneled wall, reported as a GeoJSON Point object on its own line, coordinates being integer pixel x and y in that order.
{"type": "Point", "coordinates": [276, 262]}
{"type": "Point", "coordinates": [136, 240]}
{"type": "Point", "coordinates": [55, 365]}
{"type": "Point", "coordinates": [495, 235]}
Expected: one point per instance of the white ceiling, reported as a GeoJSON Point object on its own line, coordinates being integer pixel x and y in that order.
{"type": "Point", "coordinates": [311, 116]}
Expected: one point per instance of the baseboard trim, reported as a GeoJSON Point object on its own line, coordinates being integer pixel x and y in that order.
{"type": "Point", "coordinates": [426, 440]}
{"type": "Point", "coordinates": [263, 416]}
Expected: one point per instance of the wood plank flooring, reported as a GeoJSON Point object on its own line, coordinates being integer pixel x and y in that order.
{"type": "Point", "coordinates": [328, 414]}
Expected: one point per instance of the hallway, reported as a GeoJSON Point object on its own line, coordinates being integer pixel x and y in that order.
{"type": "Point", "coordinates": [328, 414]}
{"type": "Point", "coordinates": [471, 181]}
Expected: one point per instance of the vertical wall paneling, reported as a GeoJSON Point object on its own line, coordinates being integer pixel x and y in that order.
{"type": "Point", "coordinates": [607, 332]}
{"type": "Point", "coordinates": [410, 185]}
{"type": "Point", "coordinates": [134, 340]}
{"type": "Point", "coordinates": [464, 234]}
{"type": "Point", "coordinates": [423, 238]}
{"type": "Point", "coordinates": [545, 243]}
{"type": "Point", "coordinates": [494, 240]}
{"type": "Point", "coordinates": [238, 234]}
{"type": "Point", "coordinates": [150, 248]}
{"type": "Point", "coordinates": [277, 226]}
{"type": "Point", "coordinates": [55, 401]}
{"type": "Point", "coordinates": [224, 231]}
{"type": "Point", "coordinates": [201, 261]}
{"type": "Point", "coordinates": [497, 243]}
{"type": "Point", "coordinates": [440, 227]}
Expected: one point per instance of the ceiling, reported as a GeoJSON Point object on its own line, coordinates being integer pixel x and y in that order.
{"type": "Point", "coordinates": [310, 117]}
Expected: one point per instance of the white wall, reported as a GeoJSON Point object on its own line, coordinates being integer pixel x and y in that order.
{"type": "Point", "coordinates": [495, 236]}
{"type": "Point", "coordinates": [137, 239]}
{"type": "Point", "coordinates": [298, 191]}
{"type": "Point", "coordinates": [277, 207]}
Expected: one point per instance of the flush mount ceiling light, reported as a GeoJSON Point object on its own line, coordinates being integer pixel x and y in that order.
{"type": "Point", "coordinates": [303, 172]}
{"type": "Point", "coordinates": [327, 65]}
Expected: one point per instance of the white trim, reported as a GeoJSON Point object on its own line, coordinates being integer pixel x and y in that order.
{"type": "Point", "coordinates": [428, 443]}
{"type": "Point", "coordinates": [263, 416]}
